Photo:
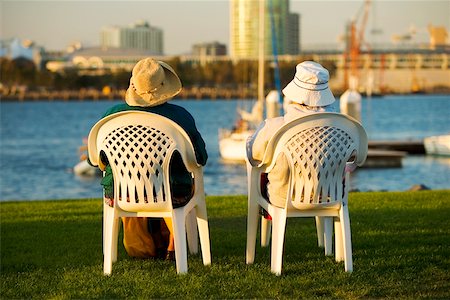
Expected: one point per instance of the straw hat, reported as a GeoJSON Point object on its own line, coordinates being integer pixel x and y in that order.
{"type": "Point", "coordinates": [310, 85]}
{"type": "Point", "coordinates": [152, 83]}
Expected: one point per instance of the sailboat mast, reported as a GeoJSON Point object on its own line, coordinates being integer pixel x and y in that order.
{"type": "Point", "coordinates": [261, 44]}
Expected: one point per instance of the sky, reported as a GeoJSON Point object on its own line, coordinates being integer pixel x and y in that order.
{"type": "Point", "coordinates": [57, 24]}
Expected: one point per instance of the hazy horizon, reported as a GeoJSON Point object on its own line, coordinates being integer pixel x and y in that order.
{"type": "Point", "coordinates": [57, 24]}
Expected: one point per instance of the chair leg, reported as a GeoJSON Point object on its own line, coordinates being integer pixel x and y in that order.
{"type": "Point", "coordinates": [278, 231]}
{"type": "Point", "coordinates": [320, 231]}
{"type": "Point", "coordinates": [115, 238]}
{"type": "Point", "coordinates": [266, 228]}
{"type": "Point", "coordinates": [339, 250]}
{"type": "Point", "coordinates": [252, 228]}
{"type": "Point", "coordinates": [192, 233]}
{"type": "Point", "coordinates": [203, 229]}
{"type": "Point", "coordinates": [109, 241]}
{"type": "Point", "coordinates": [328, 235]}
{"type": "Point", "coordinates": [347, 239]}
{"type": "Point", "coordinates": [105, 218]}
{"type": "Point", "coordinates": [179, 232]}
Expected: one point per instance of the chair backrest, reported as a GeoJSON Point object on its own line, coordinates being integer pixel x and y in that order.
{"type": "Point", "coordinates": [139, 146]}
{"type": "Point", "coordinates": [317, 148]}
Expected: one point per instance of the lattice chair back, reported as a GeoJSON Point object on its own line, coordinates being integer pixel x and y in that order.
{"type": "Point", "coordinates": [317, 148]}
{"type": "Point", "coordinates": [139, 146]}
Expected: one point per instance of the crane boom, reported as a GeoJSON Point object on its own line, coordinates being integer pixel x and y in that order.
{"type": "Point", "coordinates": [357, 40]}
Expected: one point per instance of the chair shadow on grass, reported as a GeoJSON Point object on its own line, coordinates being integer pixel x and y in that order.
{"type": "Point", "coordinates": [228, 242]}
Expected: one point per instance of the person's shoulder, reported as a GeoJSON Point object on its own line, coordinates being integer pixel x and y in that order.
{"type": "Point", "coordinates": [116, 108]}
{"type": "Point", "coordinates": [277, 121]}
{"type": "Point", "coordinates": [177, 110]}
{"type": "Point", "coordinates": [175, 107]}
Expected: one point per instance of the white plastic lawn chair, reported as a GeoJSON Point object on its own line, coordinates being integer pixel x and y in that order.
{"type": "Point", "coordinates": [139, 146]}
{"type": "Point", "coordinates": [317, 148]}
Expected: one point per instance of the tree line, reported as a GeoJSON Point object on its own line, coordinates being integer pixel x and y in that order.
{"type": "Point", "coordinates": [223, 74]}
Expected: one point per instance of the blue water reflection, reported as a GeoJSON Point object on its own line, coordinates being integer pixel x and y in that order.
{"type": "Point", "coordinates": [40, 141]}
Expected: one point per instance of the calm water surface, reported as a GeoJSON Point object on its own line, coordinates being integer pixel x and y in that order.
{"type": "Point", "coordinates": [39, 144]}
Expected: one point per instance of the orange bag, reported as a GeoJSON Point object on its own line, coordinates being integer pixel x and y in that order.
{"type": "Point", "coordinates": [137, 240]}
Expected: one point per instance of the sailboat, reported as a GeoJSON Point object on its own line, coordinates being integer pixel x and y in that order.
{"type": "Point", "coordinates": [232, 143]}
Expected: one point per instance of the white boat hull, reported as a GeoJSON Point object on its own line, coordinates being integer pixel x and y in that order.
{"type": "Point", "coordinates": [232, 146]}
{"type": "Point", "coordinates": [437, 145]}
{"type": "Point", "coordinates": [83, 168]}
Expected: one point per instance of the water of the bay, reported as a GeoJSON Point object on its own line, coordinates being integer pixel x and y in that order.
{"type": "Point", "coordinates": [39, 145]}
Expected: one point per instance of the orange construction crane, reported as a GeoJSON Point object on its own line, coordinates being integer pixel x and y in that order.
{"type": "Point", "coordinates": [355, 43]}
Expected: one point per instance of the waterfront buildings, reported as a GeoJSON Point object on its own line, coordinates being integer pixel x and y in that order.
{"type": "Point", "coordinates": [391, 70]}
{"type": "Point", "coordinates": [17, 48]}
{"type": "Point", "coordinates": [394, 68]}
{"type": "Point", "coordinates": [99, 60]}
{"type": "Point", "coordinates": [438, 36]}
{"type": "Point", "coordinates": [209, 49]}
{"type": "Point", "coordinates": [282, 27]}
{"type": "Point", "coordinates": [139, 35]}
{"type": "Point", "coordinates": [383, 71]}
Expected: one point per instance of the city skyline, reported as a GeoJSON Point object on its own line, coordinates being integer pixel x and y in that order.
{"type": "Point", "coordinates": [56, 25]}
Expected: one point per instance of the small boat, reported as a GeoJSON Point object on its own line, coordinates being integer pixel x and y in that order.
{"type": "Point", "coordinates": [232, 145]}
{"type": "Point", "coordinates": [83, 168]}
{"type": "Point", "coordinates": [437, 145]}
{"type": "Point", "coordinates": [232, 142]}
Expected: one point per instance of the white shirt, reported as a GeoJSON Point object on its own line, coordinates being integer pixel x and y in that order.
{"type": "Point", "coordinates": [257, 143]}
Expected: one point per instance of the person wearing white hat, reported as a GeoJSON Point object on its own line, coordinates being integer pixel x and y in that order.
{"type": "Point", "coordinates": [152, 84]}
{"type": "Point", "coordinates": [308, 93]}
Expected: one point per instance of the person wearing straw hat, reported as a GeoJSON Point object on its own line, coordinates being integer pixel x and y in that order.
{"type": "Point", "coordinates": [308, 93]}
{"type": "Point", "coordinates": [152, 84]}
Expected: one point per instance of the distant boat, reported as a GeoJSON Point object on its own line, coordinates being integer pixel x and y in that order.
{"type": "Point", "coordinates": [232, 144]}
{"type": "Point", "coordinates": [437, 145]}
{"type": "Point", "coordinates": [83, 168]}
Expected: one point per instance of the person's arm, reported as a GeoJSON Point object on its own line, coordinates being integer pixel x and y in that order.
{"type": "Point", "coordinates": [200, 149]}
{"type": "Point", "coordinates": [351, 164]}
{"type": "Point", "coordinates": [256, 144]}
{"type": "Point", "coordinates": [188, 124]}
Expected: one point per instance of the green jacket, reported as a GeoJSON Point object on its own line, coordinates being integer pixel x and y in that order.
{"type": "Point", "coordinates": [180, 179]}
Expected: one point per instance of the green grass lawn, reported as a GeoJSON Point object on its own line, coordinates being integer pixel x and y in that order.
{"type": "Point", "coordinates": [401, 249]}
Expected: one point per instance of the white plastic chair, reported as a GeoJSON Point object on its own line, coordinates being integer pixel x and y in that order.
{"type": "Point", "coordinates": [139, 146]}
{"type": "Point", "coordinates": [317, 148]}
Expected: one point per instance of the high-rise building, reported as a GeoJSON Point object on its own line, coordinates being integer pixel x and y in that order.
{"type": "Point", "coordinates": [292, 41]}
{"type": "Point", "coordinates": [244, 18]}
{"type": "Point", "coordinates": [209, 49]}
{"type": "Point", "coordinates": [281, 28]}
{"type": "Point", "coordinates": [110, 37]}
{"type": "Point", "coordinates": [139, 35]}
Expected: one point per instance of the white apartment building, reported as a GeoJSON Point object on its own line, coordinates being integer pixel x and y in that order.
{"type": "Point", "coordinates": [139, 35]}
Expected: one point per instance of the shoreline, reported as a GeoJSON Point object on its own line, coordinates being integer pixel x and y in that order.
{"type": "Point", "coordinates": [185, 94]}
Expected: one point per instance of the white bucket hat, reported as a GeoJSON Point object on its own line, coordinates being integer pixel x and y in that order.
{"type": "Point", "coordinates": [310, 85]}
{"type": "Point", "coordinates": [152, 83]}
